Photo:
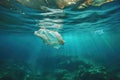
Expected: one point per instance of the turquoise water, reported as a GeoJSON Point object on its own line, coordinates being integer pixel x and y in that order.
{"type": "Point", "coordinates": [91, 50]}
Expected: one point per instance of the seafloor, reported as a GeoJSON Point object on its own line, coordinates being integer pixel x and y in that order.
{"type": "Point", "coordinates": [66, 68]}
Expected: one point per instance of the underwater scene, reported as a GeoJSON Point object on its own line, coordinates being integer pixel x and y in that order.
{"type": "Point", "coordinates": [59, 39]}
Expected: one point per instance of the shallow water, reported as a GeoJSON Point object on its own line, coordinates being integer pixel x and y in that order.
{"type": "Point", "coordinates": [91, 35]}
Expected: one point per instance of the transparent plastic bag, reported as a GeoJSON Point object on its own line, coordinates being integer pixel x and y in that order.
{"type": "Point", "coordinates": [50, 37]}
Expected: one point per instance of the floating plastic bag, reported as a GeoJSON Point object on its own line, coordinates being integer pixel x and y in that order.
{"type": "Point", "coordinates": [50, 37]}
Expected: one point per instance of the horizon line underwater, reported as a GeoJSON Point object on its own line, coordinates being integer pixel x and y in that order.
{"type": "Point", "coordinates": [59, 40]}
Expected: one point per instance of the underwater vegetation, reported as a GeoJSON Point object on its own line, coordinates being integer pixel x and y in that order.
{"type": "Point", "coordinates": [71, 68]}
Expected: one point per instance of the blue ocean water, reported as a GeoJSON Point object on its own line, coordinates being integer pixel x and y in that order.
{"type": "Point", "coordinates": [90, 34]}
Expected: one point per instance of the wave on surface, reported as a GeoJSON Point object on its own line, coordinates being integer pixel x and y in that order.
{"type": "Point", "coordinates": [19, 18]}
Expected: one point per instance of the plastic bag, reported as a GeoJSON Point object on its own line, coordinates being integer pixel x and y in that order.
{"type": "Point", "coordinates": [50, 37]}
